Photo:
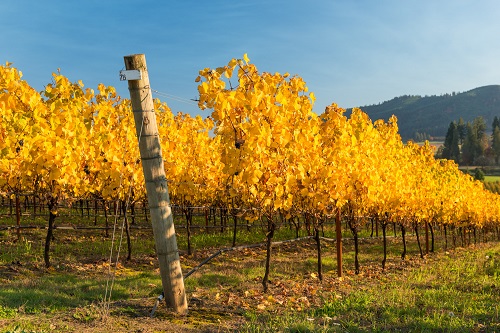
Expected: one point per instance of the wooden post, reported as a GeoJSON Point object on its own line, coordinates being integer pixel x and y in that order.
{"type": "Point", "coordinates": [426, 238]}
{"type": "Point", "coordinates": [18, 217]}
{"type": "Point", "coordinates": [338, 231]}
{"type": "Point", "coordinates": [156, 185]}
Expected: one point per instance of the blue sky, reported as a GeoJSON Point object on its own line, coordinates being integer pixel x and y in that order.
{"type": "Point", "coordinates": [352, 52]}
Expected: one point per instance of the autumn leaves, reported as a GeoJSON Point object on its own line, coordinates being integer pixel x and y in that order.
{"type": "Point", "coordinates": [282, 158]}
{"type": "Point", "coordinates": [262, 151]}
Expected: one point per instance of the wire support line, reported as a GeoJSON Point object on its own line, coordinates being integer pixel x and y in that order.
{"type": "Point", "coordinates": [176, 98]}
{"type": "Point", "coordinates": [112, 274]}
{"type": "Point", "coordinates": [109, 284]}
{"type": "Point", "coordinates": [241, 247]}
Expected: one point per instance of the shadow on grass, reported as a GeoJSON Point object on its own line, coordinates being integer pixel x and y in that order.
{"type": "Point", "coordinates": [61, 291]}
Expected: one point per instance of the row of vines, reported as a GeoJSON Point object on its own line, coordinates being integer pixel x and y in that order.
{"type": "Point", "coordinates": [262, 154]}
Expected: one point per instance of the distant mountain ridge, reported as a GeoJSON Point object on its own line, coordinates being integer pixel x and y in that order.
{"type": "Point", "coordinates": [432, 115]}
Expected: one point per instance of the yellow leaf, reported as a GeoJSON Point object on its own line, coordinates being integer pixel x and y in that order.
{"type": "Point", "coordinates": [229, 72]}
{"type": "Point", "coordinates": [313, 97]}
{"type": "Point", "coordinates": [203, 88]}
{"type": "Point", "coordinates": [55, 174]}
{"type": "Point", "coordinates": [278, 203]}
{"type": "Point", "coordinates": [279, 190]}
{"type": "Point", "coordinates": [245, 57]}
{"type": "Point", "coordinates": [232, 63]}
{"type": "Point", "coordinates": [233, 192]}
{"type": "Point", "coordinates": [289, 202]}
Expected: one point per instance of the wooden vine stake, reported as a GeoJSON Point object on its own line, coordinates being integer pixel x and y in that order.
{"type": "Point", "coordinates": [156, 183]}
{"type": "Point", "coordinates": [338, 233]}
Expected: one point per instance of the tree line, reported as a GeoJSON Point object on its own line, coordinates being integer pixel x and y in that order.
{"type": "Point", "coordinates": [469, 143]}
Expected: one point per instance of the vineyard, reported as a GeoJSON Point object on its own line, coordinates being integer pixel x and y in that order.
{"type": "Point", "coordinates": [260, 160]}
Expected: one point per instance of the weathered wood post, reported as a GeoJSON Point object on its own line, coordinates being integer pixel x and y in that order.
{"type": "Point", "coordinates": [156, 183]}
{"type": "Point", "coordinates": [338, 233]}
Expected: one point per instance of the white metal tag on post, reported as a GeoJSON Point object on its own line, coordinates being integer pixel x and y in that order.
{"type": "Point", "coordinates": [130, 75]}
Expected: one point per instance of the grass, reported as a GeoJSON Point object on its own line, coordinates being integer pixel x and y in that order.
{"type": "Point", "coordinates": [453, 292]}
{"type": "Point", "coordinates": [53, 291]}
{"type": "Point", "coordinates": [448, 291]}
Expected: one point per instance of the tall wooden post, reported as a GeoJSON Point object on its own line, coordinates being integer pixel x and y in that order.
{"type": "Point", "coordinates": [338, 232]}
{"type": "Point", "coordinates": [156, 185]}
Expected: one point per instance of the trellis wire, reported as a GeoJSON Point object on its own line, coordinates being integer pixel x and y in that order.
{"type": "Point", "coordinates": [109, 285]}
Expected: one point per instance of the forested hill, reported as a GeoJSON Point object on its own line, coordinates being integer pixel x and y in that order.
{"type": "Point", "coordinates": [433, 114]}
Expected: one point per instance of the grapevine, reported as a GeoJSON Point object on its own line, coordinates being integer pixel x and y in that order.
{"type": "Point", "coordinates": [261, 153]}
